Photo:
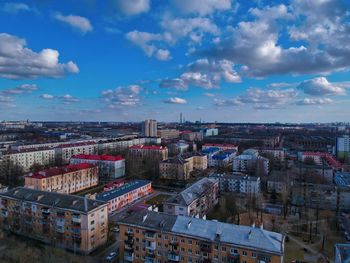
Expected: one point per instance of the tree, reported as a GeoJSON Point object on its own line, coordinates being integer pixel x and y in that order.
{"type": "Point", "coordinates": [11, 173]}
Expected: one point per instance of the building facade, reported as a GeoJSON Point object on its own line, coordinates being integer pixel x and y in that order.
{"type": "Point", "coordinates": [175, 168]}
{"type": "Point", "coordinates": [149, 128]}
{"type": "Point", "coordinates": [125, 194]}
{"type": "Point", "coordinates": [158, 237]}
{"type": "Point", "coordinates": [168, 134]}
{"type": "Point", "coordinates": [237, 183]}
{"type": "Point", "coordinates": [195, 201]}
{"type": "Point", "coordinates": [65, 152]}
{"type": "Point", "coordinates": [72, 222]}
{"type": "Point", "coordinates": [110, 167]}
{"type": "Point", "coordinates": [67, 179]}
{"type": "Point", "coordinates": [152, 152]}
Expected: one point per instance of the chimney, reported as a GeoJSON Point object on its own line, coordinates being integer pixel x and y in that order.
{"type": "Point", "coordinates": [189, 224]}
{"type": "Point", "coordinates": [144, 218]}
{"type": "Point", "coordinates": [85, 203]}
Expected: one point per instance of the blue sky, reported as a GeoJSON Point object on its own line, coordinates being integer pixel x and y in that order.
{"type": "Point", "coordinates": [215, 60]}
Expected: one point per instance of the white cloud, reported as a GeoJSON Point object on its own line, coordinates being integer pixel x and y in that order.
{"type": "Point", "coordinates": [261, 99]}
{"type": "Point", "coordinates": [17, 61]}
{"type": "Point", "coordinates": [205, 74]}
{"type": "Point", "coordinates": [314, 101]}
{"type": "Point", "coordinates": [132, 7]}
{"type": "Point", "coordinates": [122, 96]}
{"type": "Point", "coordinates": [321, 87]}
{"type": "Point", "coordinates": [46, 96]}
{"type": "Point", "coordinates": [22, 89]}
{"type": "Point", "coordinates": [175, 100]}
{"type": "Point", "coordinates": [16, 7]}
{"type": "Point", "coordinates": [202, 7]}
{"type": "Point", "coordinates": [68, 99]}
{"type": "Point", "coordinates": [163, 54]}
{"type": "Point", "coordinates": [77, 22]}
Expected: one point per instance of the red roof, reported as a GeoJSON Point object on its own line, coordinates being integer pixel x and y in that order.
{"type": "Point", "coordinates": [147, 147]}
{"type": "Point", "coordinates": [185, 131]}
{"type": "Point", "coordinates": [59, 170]}
{"type": "Point", "coordinates": [327, 157]}
{"type": "Point", "coordinates": [219, 145]}
{"type": "Point", "coordinates": [99, 157]}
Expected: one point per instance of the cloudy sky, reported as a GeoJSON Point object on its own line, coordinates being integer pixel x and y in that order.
{"type": "Point", "coordinates": [215, 60]}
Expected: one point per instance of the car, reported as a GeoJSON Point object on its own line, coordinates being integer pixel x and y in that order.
{"type": "Point", "coordinates": [111, 256]}
{"type": "Point", "coordinates": [115, 229]}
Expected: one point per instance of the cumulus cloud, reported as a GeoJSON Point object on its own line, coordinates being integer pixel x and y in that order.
{"type": "Point", "coordinates": [122, 96]}
{"type": "Point", "coordinates": [314, 101]}
{"type": "Point", "coordinates": [321, 87]}
{"type": "Point", "coordinates": [132, 7]}
{"type": "Point", "coordinates": [261, 99]}
{"type": "Point", "coordinates": [205, 74]}
{"type": "Point", "coordinates": [77, 22]}
{"type": "Point", "coordinates": [202, 7]}
{"type": "Point", "coordinates": [256, 44]}
{"type": "Point", "coordinates": [68, 99]}
{"type": "Point", "coordinates": [46, 96]}
{"type": "Point", "coordinates": [154, 44]}
{"type": "Point", "coordinates": [16, 7]}
{"type": "Point", "coordinates": [175, 100]}
{"type": "Point", "coordinates": [17, 61]}
{"type": "Point", "coordinates": [22, 89]}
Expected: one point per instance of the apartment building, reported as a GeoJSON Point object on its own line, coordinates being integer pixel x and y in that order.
{"type": "Point", "coordinates": [199, 160]}
{"type": "Point", "coordinates": [168, 134]}
{"type": "Point", "coordinates": [71, 222]}
{"type": "Point", "coordinates": [192, 136]}
{"type": "Point", "coordinates": [149, 128]}
{"type": "Point", "coordinates": [110, 167]}
{"type": "Point", "coordinates": [175, 168]}
{"type": "Point", "coordinates": [320, 158]}
{"type": "Point", "coordinates": [343, 147]}
{"type": "Point", "coordinates": [210, 132]}
{"type": "Point", "coordinates": [250, 161]}
{"type": "Point", "coordinates": [237, 183]}
{"type": "Point", "coordinates": [152, 152]}
{"type": "Point", "coordinates": [277, 153]}
{"type": "Point", "coordinates": [26, 158]}
{"type": "Point", "coordinates": [158, 237]}
{"type": "Point", "coordinates": [67, 179]}
{"type": "Point", "coordinates": [178, 147]}
{"type": "Point", "coordinates": [65, 152]}
{"type": "Point", "coordinates": [222, 159]}
{"type": "Point", "coordinates": [125, 194]}
{"type": "Point", "coordinates": [221, 147]}
{"type": "Point", "coordinates": [195, 201]}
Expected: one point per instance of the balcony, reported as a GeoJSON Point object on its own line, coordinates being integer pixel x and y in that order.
{"type": "Point", "coordinates": [173, 257]}
{"type": "Point", "coordinates": [45, 211]}
{"type": "Point", "coordinates": [233, 258]}
{"type": "Point", "coordinates": [149, 234]}
{"type": "Point", "coordinates": [129, 232]}
{"type": "Point", "coordinates": [205, 247]}
{"type": "Point", "coordinates": [76, 219]}
{"type": "Point", "coordinates": [128, 257]}
{"type": "Point", "coordinates": [151, 245]}
{"type": "Point", "coordinates": [4, 213]}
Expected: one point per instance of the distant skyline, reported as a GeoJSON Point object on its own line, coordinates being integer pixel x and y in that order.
{"type": "Point", "coordinates": [215, 60]}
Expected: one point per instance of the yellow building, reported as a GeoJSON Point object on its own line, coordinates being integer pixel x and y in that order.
{"type": "Point", "coordinates": [175, 169]}
{"type": "Point", "coordinates": [67, 179]}
{"type": "Point", "coordinates": [158, 237]}
{"type": "Point", "coordinates": [72, 222]}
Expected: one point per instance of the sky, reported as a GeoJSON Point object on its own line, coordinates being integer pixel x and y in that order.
{"type": "Point", "coordinates": [212, 60]}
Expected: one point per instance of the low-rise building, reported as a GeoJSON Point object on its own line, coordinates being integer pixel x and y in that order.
{"type": "Point", "coordinates": [152, 152]}
{"type": "Point", "coordinates": [175, 168]}
{"type": "Point", "coordinates": [110, 167]}
{"type": "Point", "coordinates": [199, 160]}
{"type": "Point", "coordinates": [210, 132]}
{"type": "Point", "coordinates": [342, 179]}
{"type": "Point", "coordinates": [66, 179]}
{"type": "Point", "coordinates": [192, 136]}
{"type": "Point", "coordinates": [168, 134]}
{"type": "Point", "coordinates": [277, 153]}
{"type": "Point", "coordinates": [125, 194]}
{"type": "Point", "coordinates": [320, 158]}
{"type": "Point", "coordinates": [221, 147]}
{"type": "Point", "coordinates": [72, 222]}
{"type": "Point", "coordinates": [178, 147]}
{"type": "Point", "coordinates": [195, 201]}
{"type": "Point", "coordinates": [157, 237]}
{"type": "Point", "coordinates": [250, 161]}
{"type": "Point", "coordinates": [222, 159]}
{"type": "Point", "coordinates": [237, 183]}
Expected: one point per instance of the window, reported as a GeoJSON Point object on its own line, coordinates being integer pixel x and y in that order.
{"type": "Point", "coordinates": [244, 253]}
{"type": "Point", "coordinates": [253, 255]}
{"type": "Point", "coordinates": [190, 242]}
{"type": "Point", "coordinates": [92, 222]}
{"type": "Point", "coordinates": [223, 249]}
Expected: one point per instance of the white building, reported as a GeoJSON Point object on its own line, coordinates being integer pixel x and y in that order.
{"type": "Point", "coordinates": [343, 147]}
{"type": "Point", "coordinates": [66, 151]}
{"type": "Point", "coordinates": [249, 161]}
{"type": "Point", "coordinates": [237, 183]}
{"type": "Point", "coordinates": [149, 128]}
{"type": "Point", "coordinates": [210, 132]}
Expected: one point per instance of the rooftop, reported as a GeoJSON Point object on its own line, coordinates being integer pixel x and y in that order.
{"type": "Point", "coordinates": [51, 199]}
{"type": "Point", "coordinates": [219, 145]}
{"type": "Point", "coordinates": [237, 235]}
{"type": "Point", "coordinates": [344, 252]}
{"type": "Point", "coordinates": [98, 157]}
{"type": "Point", "coordinates": [127, 187]}
{"type": "Point", "coordinates": [77, 144]}
{"type": "Point", "coordinates": [191, 193]}
{"type": "Point", "coordinates": [59, 170]}
{"type": "Point", "coordinates": [148, 147]}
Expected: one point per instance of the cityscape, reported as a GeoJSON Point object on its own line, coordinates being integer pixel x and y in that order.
{"type": "Point", "coordinates": [190, 131]}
